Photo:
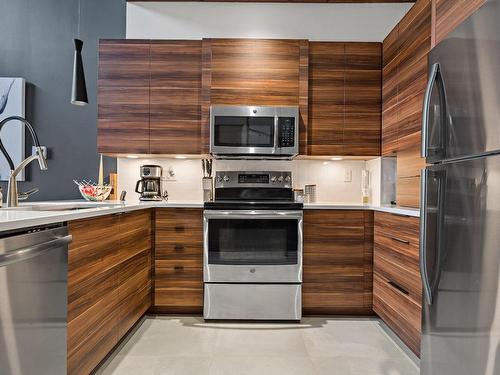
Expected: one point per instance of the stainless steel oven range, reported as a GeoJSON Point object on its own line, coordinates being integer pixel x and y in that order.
{"type": "Point", "coordinates": [253, 248]}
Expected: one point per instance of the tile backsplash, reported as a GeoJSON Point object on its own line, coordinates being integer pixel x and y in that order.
{"type": "Point", "coordinates": [337, 181]}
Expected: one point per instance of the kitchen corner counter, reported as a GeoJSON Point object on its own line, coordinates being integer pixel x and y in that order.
{"type": "Point", "coordinates": [407, 211]}
{"type": "Point", "coordinates": [19, 217]}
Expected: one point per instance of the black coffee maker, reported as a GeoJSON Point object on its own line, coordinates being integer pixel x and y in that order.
{"type": "Point", "coordinates": [150, 186]}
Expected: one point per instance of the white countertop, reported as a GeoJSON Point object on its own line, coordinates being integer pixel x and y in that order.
{"type": "Point", "coordinates": [17, 218]}
{"type": "Point", "coordinates": [407, 211]}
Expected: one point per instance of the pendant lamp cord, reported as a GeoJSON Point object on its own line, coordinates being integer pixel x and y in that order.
{"type": "Point", "coordinates": [79, 11]}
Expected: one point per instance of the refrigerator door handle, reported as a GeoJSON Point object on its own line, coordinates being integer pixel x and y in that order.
{"type": "Point", "coordinates": [423, 232]}
{"type": "Point", "coordinates": [426, 109]}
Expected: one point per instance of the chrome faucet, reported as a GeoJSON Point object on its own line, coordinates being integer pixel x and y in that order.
{"type": "Point", "coordinates": [12, 194]}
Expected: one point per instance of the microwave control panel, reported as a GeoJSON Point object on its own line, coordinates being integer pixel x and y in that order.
{"type": "Point", "coordinates": [286, 132]}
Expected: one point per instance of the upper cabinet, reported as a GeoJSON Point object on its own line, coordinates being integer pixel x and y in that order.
{"type": "Point", "coordinates": [155, 96]}
{"type": "Point", "coordinates": [175, 97]}
{"type": "Point", "coordinates": [149, 97]}
{"type": "Point", "coordinates": [255, 72]}
{"type": "Point", "coordinates": [448, 14]}
{"type": "Point", "coordinates": [344, 98]}
{"type": "Point", "coordinates": [123, 96]}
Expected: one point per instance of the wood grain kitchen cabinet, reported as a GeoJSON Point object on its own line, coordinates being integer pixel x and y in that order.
{"type": "Point", "coordinates": [123, 96]}
{"type": "Point", "coordinates": [175, 97]}
{"type": "Point", "coordinates": [338, 251]}
{"type": "Point", "coordinates": [397, 287]}
{"type": "Point", "coordinates": [109, 284]}
{"type": "Point", "coordinates": [448, 14]}
{"type": "Point", "coordinates": [149, 98]}
{"type": "Point", "coordinates": [271, 72]}
{"type": "Point", "coordinates": [344, 98]}
{"type": "Point", "coordinates": [404, 82]}
{"type": "Point", "coordinates": [178, 260]}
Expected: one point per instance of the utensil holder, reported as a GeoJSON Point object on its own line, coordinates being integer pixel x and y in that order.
{"type": "Point", "coordinates": [208, 188]}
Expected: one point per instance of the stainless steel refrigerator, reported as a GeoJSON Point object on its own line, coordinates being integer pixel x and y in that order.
{"type": "Point", "coordinates": [460, 210]}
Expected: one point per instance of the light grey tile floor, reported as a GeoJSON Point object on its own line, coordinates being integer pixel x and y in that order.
{"type": "Point", "coordinates": [316, 346]}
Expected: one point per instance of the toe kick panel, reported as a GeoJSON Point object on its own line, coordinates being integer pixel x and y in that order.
{"type": "Point", "coordinates": [253, 301]}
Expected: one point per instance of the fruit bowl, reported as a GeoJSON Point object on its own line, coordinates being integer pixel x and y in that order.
{"type": "Point", "coordinates": [94, 192]}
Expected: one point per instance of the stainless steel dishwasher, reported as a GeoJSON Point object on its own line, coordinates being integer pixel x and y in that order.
{"type": "Point", "coordinates": [33, 301]}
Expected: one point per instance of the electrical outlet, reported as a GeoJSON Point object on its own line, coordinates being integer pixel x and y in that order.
{"type": "Point", "coordinates": [348, 175]}
{"type": "Point", "coordinates": [170, 175]}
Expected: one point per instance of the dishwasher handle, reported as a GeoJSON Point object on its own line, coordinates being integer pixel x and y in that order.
{"type": "Point", "coordinates": [19, 255]}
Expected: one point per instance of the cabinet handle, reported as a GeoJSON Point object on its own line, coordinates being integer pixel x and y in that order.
{"type": "Point", "coordinates": [400, 240]}
{"type": "Point", "coordinates": [398, 287]}
{"type": "Point", "coordinates": [178, 268]}
{"type": "Point", "coordinates": [178, 247]}
{"type": "Point", "coordinates": [179, 229]}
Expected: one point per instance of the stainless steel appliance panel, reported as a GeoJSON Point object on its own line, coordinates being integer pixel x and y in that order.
{"type": "Point", "coordinates": [266, 259]}
{"type": "Point", "coordinates": [253, 301]}
{"type": "Point", "coordinates": [460, 265]}
{"type": "Point", "coordinates": [33, 302]}
{"type": "Point", "coordinates": [462, 103]}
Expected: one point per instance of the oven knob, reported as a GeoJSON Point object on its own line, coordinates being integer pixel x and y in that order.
{"type": "Point", "coordinates": [273, 179]}
{"type": "Point", "coordinates": [226, 179]}
{"type": "Point", "coordinates": [280, 179]}
{"type": "Point", "coordinates": [288, 179]}
{"type": "Point", "coordinates": [219, 179]}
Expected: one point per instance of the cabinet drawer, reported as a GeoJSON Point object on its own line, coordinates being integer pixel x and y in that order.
{"type": "Point", "coordinates": [183, 249]}
{"type": "Point", "coordinates": [398, 310]}
{"type": "Point", "coordinates": [403, 229]}
{"type": "Point", "coordinates": [178, 273]}
{"type": "Point", "coordinates": [179, 222]}
{"type": "Point", "coordinates": [386, 264]}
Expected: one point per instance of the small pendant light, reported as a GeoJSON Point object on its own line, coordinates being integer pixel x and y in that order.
{"type": "Point", "coordinates": [78, 88]}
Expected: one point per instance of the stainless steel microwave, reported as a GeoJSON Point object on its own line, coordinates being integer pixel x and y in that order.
{"type": "Point", "coordinates": [252, 132]}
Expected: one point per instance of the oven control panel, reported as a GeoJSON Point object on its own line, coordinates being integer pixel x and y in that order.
{"type": "Point", "coordinates": [228, 179]}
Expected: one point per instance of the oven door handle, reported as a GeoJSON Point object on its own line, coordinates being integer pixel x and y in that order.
{"type": "Point", "coordinates": [247, 214]}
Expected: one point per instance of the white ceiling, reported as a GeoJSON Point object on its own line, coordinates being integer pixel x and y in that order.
{"type": "Point", "coordinates": [327, 22]}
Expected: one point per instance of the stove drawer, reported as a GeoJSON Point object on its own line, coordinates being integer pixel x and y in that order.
{"type": "Point", "coordinates": [253, 301]}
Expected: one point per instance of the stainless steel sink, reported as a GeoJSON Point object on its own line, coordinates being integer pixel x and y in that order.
{"type": "Point", "coordinates": [60, 207]}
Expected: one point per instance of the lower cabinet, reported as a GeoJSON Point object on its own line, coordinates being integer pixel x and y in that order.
{"type": "Point", "coordinates": [178, 259]}
{"type": "Point", "coordinates": [109, 284]}
{"type": "Point", "coordinates": [397, 287]}
{"type": "Point", "coordinates": [338, 258]}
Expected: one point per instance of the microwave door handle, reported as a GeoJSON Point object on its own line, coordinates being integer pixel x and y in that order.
{"type": "Point", "coordinates": [276, 129]}
{"type": "Point", "coordinates": [426, 109]}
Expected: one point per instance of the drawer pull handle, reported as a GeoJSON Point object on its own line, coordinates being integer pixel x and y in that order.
{"type": "Point", "coordinates": [178, 247]}
{"type": "Point", "coordinates": [178, 268]}
{"type": "Point", "coordinates": [400, 288]}
{"type": "Point", "coordinates": [179, 229]}
{"type": "Point", "coordinates": [400, 240]}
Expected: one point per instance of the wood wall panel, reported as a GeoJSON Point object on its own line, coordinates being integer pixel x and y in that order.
{"type": "Point", "coordinates": [123, 96]}
{"type": "Point", "coordinates": [404, 82]}
{"type": "Point", "coordinates": [344, 98]}
{"type": "Point", "coordinates": [337, 262]}
{"type": "Point", "coordinates": [451, 13]}
{"type": "Point", "coordinates": [109, 263]}
{"type": "Point", "coordinates": [175, 113]}
{"type": "Point", "coordinates": [178, 278]}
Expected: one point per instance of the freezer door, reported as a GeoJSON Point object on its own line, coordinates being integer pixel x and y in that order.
{"type": "Point", "coordinates": [460, 265]}
{"type": "Point", "coordinates": [462, 103]}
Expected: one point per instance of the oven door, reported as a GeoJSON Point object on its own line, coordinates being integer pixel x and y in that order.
{"type": "Point", "coordinates": [253, 246]}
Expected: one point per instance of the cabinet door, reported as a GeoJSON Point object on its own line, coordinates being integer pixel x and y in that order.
{"type": "Point", "coordinates": [337, 275]}
{"type": "Point", "coordinates": [123, 96]}
{"type": "Point", "coordinates": [256, 72]}
{"type": "Point", "coordinates": [175, 91]}
{"type": "Point", "coordinates": [134, 256]}
{"type": "Point", "coordinates": [451, 13]}
{"type": "Point", "coordinates": [92, 299]}
{"type": "Point", "coordinates": [178, 274]}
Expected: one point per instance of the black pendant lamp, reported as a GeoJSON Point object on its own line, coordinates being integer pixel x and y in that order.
{"type": "Point", "coordinates": [79, 87]}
